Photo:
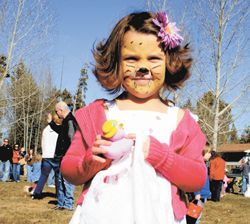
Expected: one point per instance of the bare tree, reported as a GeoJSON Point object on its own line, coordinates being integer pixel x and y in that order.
{"type": "Point", "coordinates": [219, 34]}
{"type": "Point", "coordinates": [221, 66]}
{"type": "Point", "coordinates": [156, 5]}
{"type": "Point", "coordinates": [24, 25]}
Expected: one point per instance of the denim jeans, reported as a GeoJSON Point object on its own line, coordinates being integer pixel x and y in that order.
{"type": "Point", "coordinates": [1, 170]}
{"type": "Point", "coordinates": [65, 197]}
{"type": "Point", "coordinates": [244, 184]}
{"type": "Point", "coordinates": [51, 178]}
{"type": "Point", "coordinates": [16, 171]}
{"type": "Point", "coordinates": [36, 171]}
{"type": "Point", "coordinates": [5, 170]}
{"type": "Point", "coordinates": [29, 173]}
{"type": "Point", "coordinates": [46, 167]}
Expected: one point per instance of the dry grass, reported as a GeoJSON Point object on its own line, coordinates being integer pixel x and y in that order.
{"type": "Point", "coordinates": [17, 207]}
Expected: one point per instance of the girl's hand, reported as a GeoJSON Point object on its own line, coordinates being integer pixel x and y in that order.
{"type": "Point", "coordinates": [145, 145]}
{"type": "Point", "coordinates": [49, 117]}
{"type": "Point", "coordinates": [131, 136]}
{"type": "Point", "coordinates": [97, 149]}
{"type": "Point", "coordinates": [198, 197]}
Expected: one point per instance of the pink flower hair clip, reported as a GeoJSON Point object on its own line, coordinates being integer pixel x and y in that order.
{"type": "Point", "coordinates": [168, 31]}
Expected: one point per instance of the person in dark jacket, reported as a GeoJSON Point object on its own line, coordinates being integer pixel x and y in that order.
{"type": "Point", "coordinates": [5, 160]}
{"type": "Point", "coordinates": [66, 131]}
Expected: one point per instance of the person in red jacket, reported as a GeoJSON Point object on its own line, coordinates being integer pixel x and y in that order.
{"type": "Point", "coordinates": [217, 173]}
{"type": "Point", "coordinates": [145, 184]}
{"type": "Point", "coordinates": [15, 163]}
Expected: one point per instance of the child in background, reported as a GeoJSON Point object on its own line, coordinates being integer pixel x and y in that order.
{"type": "Point", "coordinates": [22, 161]}
{"type": "Point", "coordinates": [142, 56]}
{"type": "Point", "coordinates": [34, 162]}
{"type": "Point", "coordinates": [224, 185]}
{"type": "Point", "coordinates": [28, 158]}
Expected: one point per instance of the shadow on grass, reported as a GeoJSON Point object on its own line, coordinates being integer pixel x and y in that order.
{"type": "Point", "coordinates": [52, 202]}
{"type": "Point", "coordinates": [48, 194]}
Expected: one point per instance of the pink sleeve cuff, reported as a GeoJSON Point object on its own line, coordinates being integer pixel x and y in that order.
{"type": "Point", "coordinates": [160, 157]}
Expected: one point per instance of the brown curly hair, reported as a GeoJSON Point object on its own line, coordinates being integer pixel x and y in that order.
{"type": "Point", "coordinates": [107, 54]}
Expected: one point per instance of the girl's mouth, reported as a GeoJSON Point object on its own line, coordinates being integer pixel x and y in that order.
{"type": "Point", "coordinates": [142, 81]}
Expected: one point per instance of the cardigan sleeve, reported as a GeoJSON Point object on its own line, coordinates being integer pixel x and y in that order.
{"type": "Point", "coordinates": [77, 165]}
{"type": "Point", "coordinates": [181, 161]}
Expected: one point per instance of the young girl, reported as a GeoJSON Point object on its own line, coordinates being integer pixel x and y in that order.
{"type": "Point", "coordinates": [34, 171]}
{"type": "Point", "coordinates": [142, 56]}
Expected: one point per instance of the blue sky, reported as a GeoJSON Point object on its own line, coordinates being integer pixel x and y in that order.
{"type": "Point", "coordinates": [79, 25]}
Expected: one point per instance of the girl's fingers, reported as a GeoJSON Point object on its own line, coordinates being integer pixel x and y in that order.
{"type": "Point", "coordinates": [98, 150]}
{"type": "Point", "coordinates": [99, 159]}
{"type": "Point", "coordinates": [99, 142]}
{"type": "Point", "coordinates": [131, 136]}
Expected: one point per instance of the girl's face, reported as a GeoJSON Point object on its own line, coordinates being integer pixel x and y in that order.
{"type": "Point", "coordinates": [143, 65]}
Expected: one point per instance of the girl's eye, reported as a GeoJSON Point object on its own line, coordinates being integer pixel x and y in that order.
{"type": "Point", "coordinates": [130, 59]}
{"type": "Point", "coordinates": [154, 58]}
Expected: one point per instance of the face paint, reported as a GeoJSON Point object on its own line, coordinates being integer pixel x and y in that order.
{"type": "Point", "coordinates": [143, 67]}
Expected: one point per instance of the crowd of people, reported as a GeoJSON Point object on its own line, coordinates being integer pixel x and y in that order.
{"type": "Point", "coordinates": [218, 182]}
{"type": "Point", "coordinates": [15, 160]}
{"type": "Point", "coordinates": [41, 168]}
{"type": "Point", "coordinates": [215, 185]}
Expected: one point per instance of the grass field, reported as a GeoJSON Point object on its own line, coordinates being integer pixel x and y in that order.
{"type": "Point", "coordinates": [18, 208]}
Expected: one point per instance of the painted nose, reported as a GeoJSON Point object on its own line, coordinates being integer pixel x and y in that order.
{"type": "Point", "coordinates": [143, 70]}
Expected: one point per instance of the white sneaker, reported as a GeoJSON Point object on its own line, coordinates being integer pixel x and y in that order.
{"type": "Point", "coordinates": [27, 189]}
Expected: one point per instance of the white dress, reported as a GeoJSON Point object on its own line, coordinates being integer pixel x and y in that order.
{"type": "Point", "coordinates": [130, 191]}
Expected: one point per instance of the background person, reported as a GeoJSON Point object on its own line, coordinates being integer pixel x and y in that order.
{"type": "Point", "coordinates": [5, 160]}
{"type": "Point", "coordinates": [15, 163]}
{"type": "Point", "coordinates": [217, 173]}
{"type": "Point", "coordinates": [245, 167]}
{"type": "Point", "coordinates": [22, 161]}
{"type": "Point", "coordinates": [66, 131]}
{"type": "Point", "coordinates": [49, 140]}
{"type": "Point", "coordinates": [34, 171]}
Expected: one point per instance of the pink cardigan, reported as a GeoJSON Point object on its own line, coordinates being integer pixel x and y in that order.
{"type": "Point", "coordinates": [180, 162]}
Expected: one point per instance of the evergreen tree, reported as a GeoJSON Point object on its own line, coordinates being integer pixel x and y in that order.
{"type": "Point", "coordinates": [2, 64]}
{"type": "Point", "coordinates": [3, 102]}
{"type": "Point", "coordinates": [204, 110]}
{"type": "Point", "coordinates": [188, 105]}
{"type": "Point", "coordinates": [79, 98]}
{"type": "Point", "coordinates": [233, 137]}
{"type": "Point", "coordinates": [25, 107]}
{"type": "Point", "coordinates": [245, 137]}
{"type": "Point", "coordinates": [66, 96]}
